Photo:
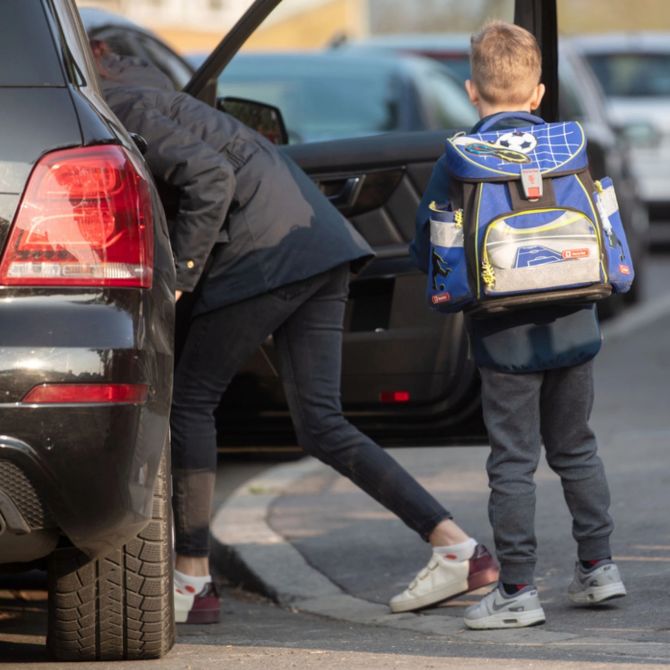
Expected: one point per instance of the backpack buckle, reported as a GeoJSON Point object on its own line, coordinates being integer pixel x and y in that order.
{"type": "Point", "coordinates": [531, 182]}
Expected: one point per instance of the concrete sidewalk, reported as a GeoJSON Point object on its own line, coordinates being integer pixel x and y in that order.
{"type": "Point", "coordinates": [311, 540]}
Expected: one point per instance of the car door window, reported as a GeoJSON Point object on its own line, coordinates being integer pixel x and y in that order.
{"type": "Point", "coordinates": [27, 51]}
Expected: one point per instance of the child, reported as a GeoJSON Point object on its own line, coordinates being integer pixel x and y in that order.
{"type": "Point", "coordinates": [537, 381]}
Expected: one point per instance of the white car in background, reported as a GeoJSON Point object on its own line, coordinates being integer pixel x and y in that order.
{"type": "Point", "coordinates": [634, 72]}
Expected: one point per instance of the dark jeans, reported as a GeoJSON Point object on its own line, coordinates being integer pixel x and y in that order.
{"type": "Point", "coordinates": [521, 411]}
{"type": "Point", "coordinates": [306, 321]}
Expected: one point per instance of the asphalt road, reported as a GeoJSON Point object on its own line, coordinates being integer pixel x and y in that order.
{"type": "Point", "coordinates": [255, 634]}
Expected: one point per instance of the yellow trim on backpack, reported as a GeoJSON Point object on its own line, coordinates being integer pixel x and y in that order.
{"type": "Point", "coordinates": [598, 224]}
{"type": "Point", "coordinates": [480, 188]}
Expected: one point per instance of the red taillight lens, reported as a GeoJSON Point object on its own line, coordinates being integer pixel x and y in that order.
{"type": "Point", "coordinates": [48, 394]}
{"type": "Point", "coordinates": [85, 220]}
{"type": "Point", "coordinates": [394, 397]}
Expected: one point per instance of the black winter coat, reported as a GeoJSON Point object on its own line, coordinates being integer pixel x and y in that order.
{"type": "Point", "coordinates": [262, 220]}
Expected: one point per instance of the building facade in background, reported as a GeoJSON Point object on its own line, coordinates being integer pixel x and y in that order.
{"type": "Point", "coordinates": [198, 25]}
{"type": "Point", "coordinates": [191, 13]}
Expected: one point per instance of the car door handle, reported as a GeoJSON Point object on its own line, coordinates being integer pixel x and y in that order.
{"type": "Point", "coordinates": [345, 198]}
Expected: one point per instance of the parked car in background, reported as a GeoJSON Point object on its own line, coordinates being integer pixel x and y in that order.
{"type": "Point", "coordinates": [335, 94]}
{"type": "Point", "coordinates": [87, 299]}
{"type": "Point", "coordinates": [580, 99]}
{"type": "Point", "coordinates": [634, 72]}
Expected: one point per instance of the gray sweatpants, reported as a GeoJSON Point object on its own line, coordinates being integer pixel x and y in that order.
{"type": "Point", "coordinates": [521, 411]}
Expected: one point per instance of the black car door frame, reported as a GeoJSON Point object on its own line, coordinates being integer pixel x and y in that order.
{"type": "Point", "coordinates": [540, 18]}
{"type": "Point", "coordinates": [203, 83]}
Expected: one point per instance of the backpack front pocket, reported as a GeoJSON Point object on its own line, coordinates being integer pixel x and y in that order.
{"type": "Point", "coordinates": [448, 286]}
{"type": "Point", "coordinates": [540, 250]}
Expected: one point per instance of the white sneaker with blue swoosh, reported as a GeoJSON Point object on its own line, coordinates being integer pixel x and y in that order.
{"type": "Point", "coordinates": [499, 610]}
{"type": "Point", "coordinates": [599, 584]}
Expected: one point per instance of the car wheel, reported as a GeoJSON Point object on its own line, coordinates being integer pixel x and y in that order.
{"type": "Point", "coordinates": [120, 606]}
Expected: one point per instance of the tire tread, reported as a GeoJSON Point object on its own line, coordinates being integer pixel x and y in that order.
{"type": "Point", "coordinates": [118, 607]}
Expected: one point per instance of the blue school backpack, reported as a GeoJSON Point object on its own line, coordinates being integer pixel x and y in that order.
{"type": "Point", "coordinates": [524, 224]}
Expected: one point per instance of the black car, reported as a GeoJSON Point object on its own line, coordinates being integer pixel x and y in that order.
{"type": "Point", "coordinates": [86, 297]}
{"type": "Point", "coordinates": [408, 376]}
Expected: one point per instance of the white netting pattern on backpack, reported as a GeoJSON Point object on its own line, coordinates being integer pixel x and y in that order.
{"type": "Point", "coordinates": [557, 143]}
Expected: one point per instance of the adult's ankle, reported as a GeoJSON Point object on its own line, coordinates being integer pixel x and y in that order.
{"type": "Point", "coordinates": [446, 533]}
{"type": "Point", "coordinates": [195, 566]}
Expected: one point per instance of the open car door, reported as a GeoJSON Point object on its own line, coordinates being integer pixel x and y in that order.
{"type": "Point", "coordinates": [407, 377]}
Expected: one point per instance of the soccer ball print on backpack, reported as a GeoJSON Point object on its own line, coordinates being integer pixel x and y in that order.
{"type": "Point", "coordinates": [525, 224]}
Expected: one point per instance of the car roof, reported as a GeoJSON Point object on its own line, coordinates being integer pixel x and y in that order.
{"type": "Point", "coordinates": [418, 41]}
{"type": "Point", "coordinates": [393, 62]}
{"type": "Point", "coordinates": [429, 42]}
{"type": "Point", "coordinates": [623, 42]}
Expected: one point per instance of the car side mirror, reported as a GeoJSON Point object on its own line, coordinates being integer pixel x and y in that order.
{"type": "Point", "coordinates": [261, 117]}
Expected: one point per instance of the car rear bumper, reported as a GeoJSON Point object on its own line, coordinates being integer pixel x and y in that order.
{"type": "Point", "coordinates": [95, 486]}
{"type": "Point", "coordinates": [83, 470]}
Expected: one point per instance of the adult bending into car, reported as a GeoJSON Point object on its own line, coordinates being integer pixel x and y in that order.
{"type": "Point", "coordinates": [270, 255]}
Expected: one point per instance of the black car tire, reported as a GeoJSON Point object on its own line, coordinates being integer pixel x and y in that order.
{"type": "Point", "coordinates": [120, 606]}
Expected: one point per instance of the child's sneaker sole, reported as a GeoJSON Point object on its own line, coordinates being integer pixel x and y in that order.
{"type": "Point", "coordinates": [598, 594]}
{"type": "Point", "coordinates": [507, 620]}
{"type": "Point", "coordinates": [498, 609]}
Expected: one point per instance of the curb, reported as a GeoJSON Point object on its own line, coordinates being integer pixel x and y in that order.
{"type": "Point", "coordinates": [251, 554]}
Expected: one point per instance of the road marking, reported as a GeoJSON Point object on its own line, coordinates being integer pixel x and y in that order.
{"type": "Point", "coordinates": [636, 318]}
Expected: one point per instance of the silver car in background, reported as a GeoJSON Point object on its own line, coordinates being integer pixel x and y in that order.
{"type": "Point", "coordinates": [634, 72]}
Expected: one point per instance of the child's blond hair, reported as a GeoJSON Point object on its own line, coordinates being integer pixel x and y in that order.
{"type": "Point", "coordinates": [506, 63]}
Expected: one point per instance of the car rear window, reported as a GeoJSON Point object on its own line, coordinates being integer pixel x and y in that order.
{"type": "Point", "coordinates": [28, 54]}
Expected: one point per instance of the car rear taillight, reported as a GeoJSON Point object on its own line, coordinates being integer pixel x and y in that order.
{"type": "Point", "coordinates": [394, 397]}
{"type": "Point", "coordinates": [85, 220]}
{"type": "Point", "coordinates": [48, 394]}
